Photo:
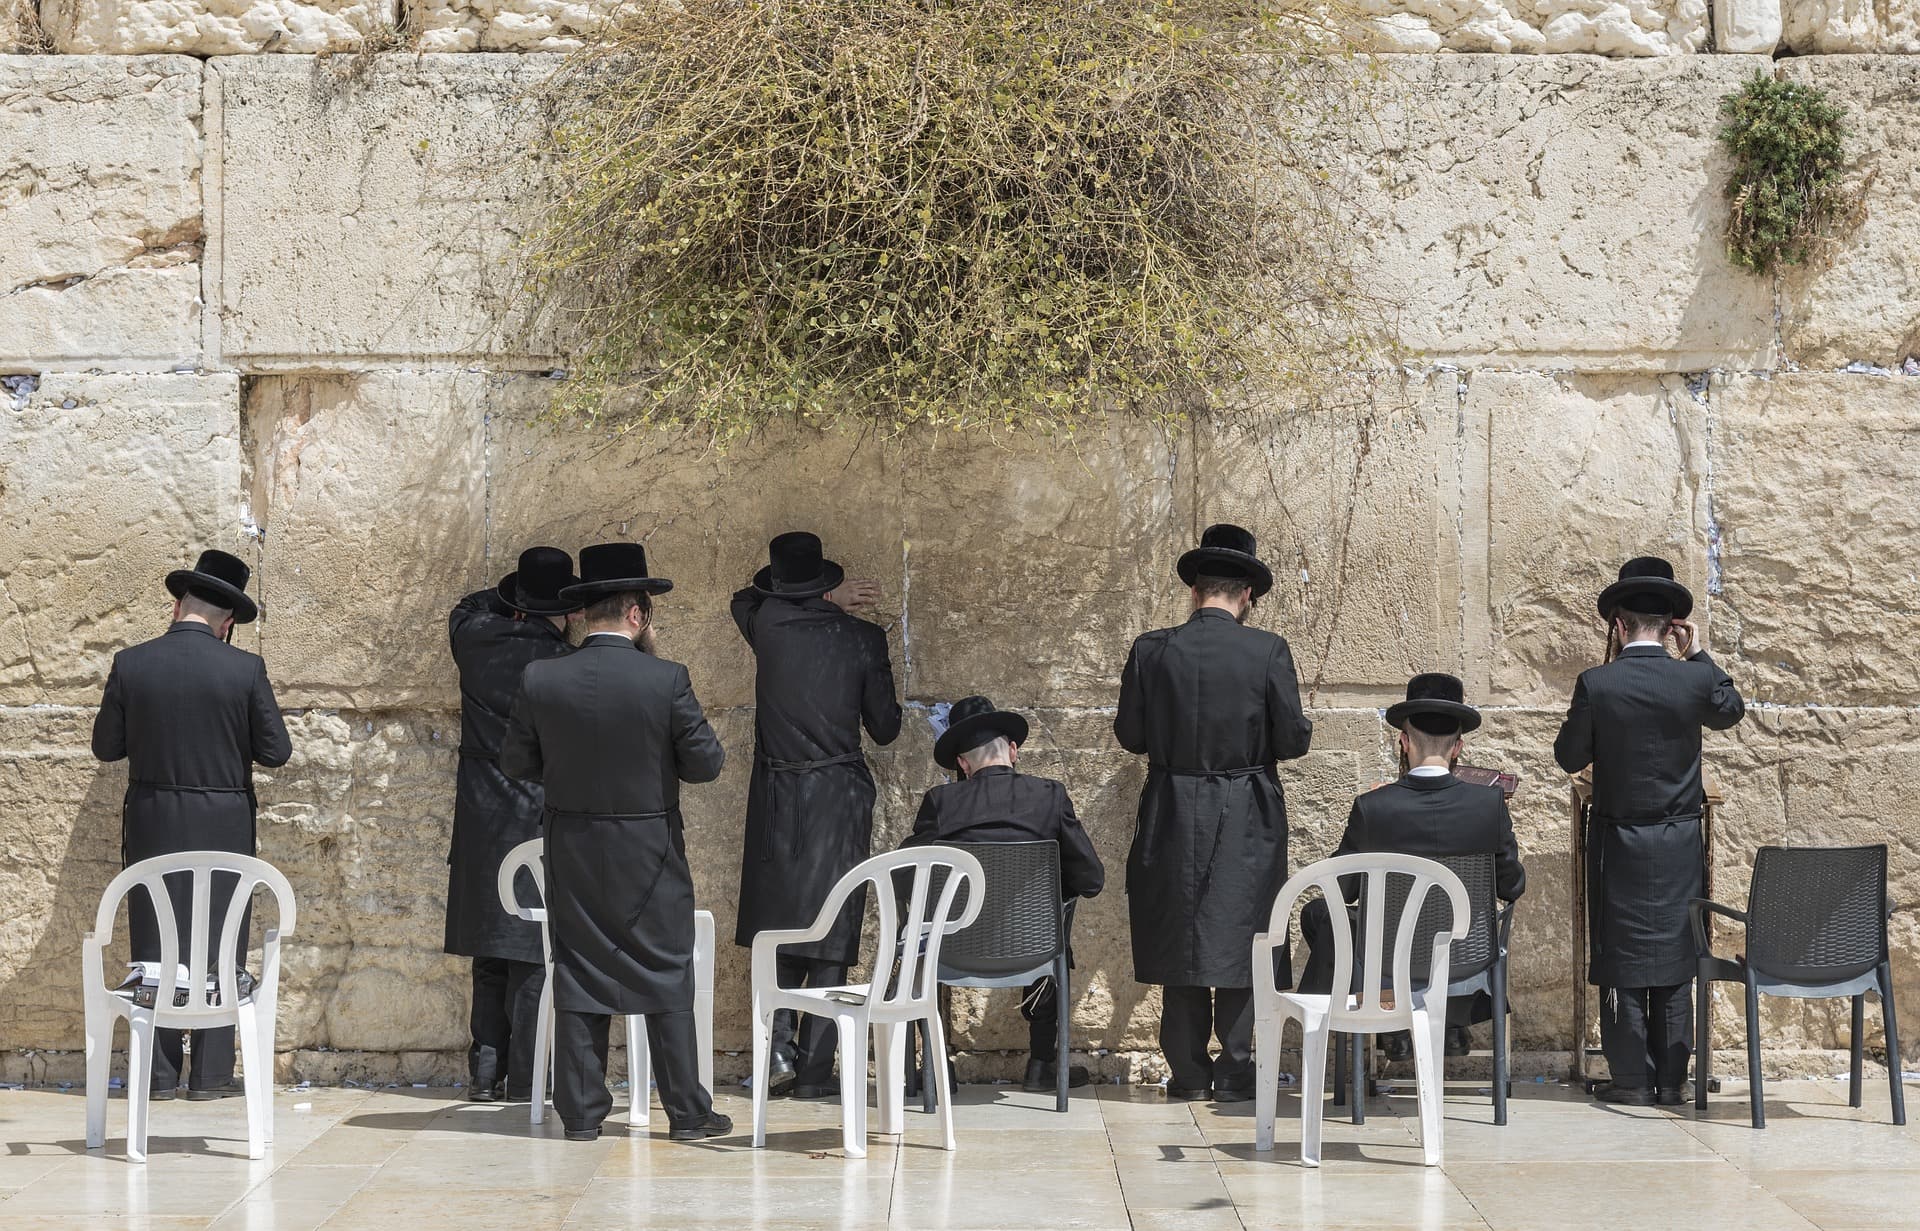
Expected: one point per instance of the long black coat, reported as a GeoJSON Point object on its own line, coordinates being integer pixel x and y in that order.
{"type": "Point", "coordinates": [821, 675]}
{"type": "Point", "coordinates": [192, 716]}
{"type": "Point", "coordinates": [1213, 704]}
{"type": "Point", "coordinates": [612, 733]}
{"type": "Point", "coordinates": [492, 813]}
{"type": "Point", "coordinates": [1637, 721]}
{"type": "Point", "coordinates": [999, 804]}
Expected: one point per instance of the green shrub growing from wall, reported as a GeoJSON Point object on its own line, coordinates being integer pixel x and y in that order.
{"type": "Point", "coordinates": [1787, 143]}
{"type": "Point", "coordinates": [998, 212]}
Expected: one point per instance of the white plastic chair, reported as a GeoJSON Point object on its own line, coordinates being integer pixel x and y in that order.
{"type": "Point", "coordinates": [888, 1004]}
{"type": "Point", "coordinates": [252, 1015]}
{"type": "Point", "coordinates": [1404, 1005]}
{"type": "Point", "coordinates": [531, 855]}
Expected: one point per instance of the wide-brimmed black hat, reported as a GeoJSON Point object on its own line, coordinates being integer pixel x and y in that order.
{"type": "Point", "coordinates": [971, 722]}
{"type": "Point", "coordinates": [1436, 704]}
{"type": "Point", "coordinates": [1226, 551]}
{"type": "Point", "coordinates": [220, 579]}
{"type": "Point", "coordinates": [613, 568]}
{"type": "Point", "coordinates": [1646, 585]}
{"type": "Point", "coordinates": [535, 586]}
{"type": "Point", "coordinates": [797, 568]}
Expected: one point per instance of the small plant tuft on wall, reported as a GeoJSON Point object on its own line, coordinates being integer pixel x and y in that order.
{"type": "Point", "coordinates": [1000, 212]}
{"type": "Point", "coordinates": [1787, 143]}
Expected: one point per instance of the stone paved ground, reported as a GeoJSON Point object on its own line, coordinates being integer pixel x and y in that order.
{"type": "Point", "coordinates": [415, 1160]}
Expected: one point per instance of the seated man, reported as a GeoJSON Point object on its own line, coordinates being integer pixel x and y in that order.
{"type": "Point", "coordinates": [993, 803]}
{"type": "Point", "coordinates": [1427, 812]}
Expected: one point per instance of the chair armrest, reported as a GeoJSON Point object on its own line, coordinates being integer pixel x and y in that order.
{"type": "Point", "coordinates": [766, 944]}
{"type": "Point", "coordinates": [1697, 911]}
{"type": "Point", "coordinates": [1504, 917]}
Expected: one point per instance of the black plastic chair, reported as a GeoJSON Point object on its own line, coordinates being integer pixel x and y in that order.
{"type": "Point", "coordinates": [1816, 930]}
{"type": "Point", "coordinates": [1478, 964]}
{"type": "Point", "coordinates": [1022, 933]}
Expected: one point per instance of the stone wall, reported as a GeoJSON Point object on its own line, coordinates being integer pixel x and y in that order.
{"type": "Point", "coordinates": [265, 303]}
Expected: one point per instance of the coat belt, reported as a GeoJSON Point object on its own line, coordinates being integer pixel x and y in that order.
{"type": "Point", "coordinates": [1644, 820]}
{"type": "Point", "coordinates": [169, 786]}
{"type": "Point", "coordinates": [794, 767]}
{"type": "Point", "coordinates": [1245, 771]}
{"type": "Point", "coordinates": [557, 813]}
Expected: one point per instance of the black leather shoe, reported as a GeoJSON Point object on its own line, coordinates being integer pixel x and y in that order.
{"type": "Point", "coordinates": [1396, 1045]}
{"type": "Point", "coordinates": [584, 1134]}
{"type": "Point", "coordinates": [1043, 1076]}
{"type": "Point", "coordinates": [517, 1096]}
{"type": "Point", "coordinates": [1459, 1041]}
{"type": "Point", "coordinates": [167, 1095]}
{"type": "Point", "coordinates": [1672, 1098]}
{"type": "Point", "coordinates": [780, 1076]}
{"type": "Point", "coordinates": [1178, 1093]}
{"type": "Point", "coordinates": [715, 1125]}
{"type": "Point", "coordinates": [829, 1090]}
{"type": "Point", "coordinates": [1626, 1096]}
{"type": "Point", "coordinates": [483, 1094]}
{"type": "Point", "coordinates": [1233, 1094]}
{"type": "Point", "coordinates": [232, 1089]}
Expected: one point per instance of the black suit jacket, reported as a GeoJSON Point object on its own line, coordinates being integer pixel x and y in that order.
{"type": "Point", "coordinates": [1637, 721]}
{"type": "Point", "coordinates": [1436, 815]}
{"type": "Point", "coordinates": [1000, 805]}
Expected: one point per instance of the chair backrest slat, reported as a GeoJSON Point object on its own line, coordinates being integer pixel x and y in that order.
{"type": "Point", "coordinates": [932, 914]}
{"type": "Point", "coordinates": [1817, 914]}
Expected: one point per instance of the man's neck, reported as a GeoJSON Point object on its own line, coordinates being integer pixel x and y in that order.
{"type": "Point", "coordinates": [1218, 604]}
{"type": "Point", "coordinates": [189, 618]}
{"type": "Point", "coordinates": [974, 769]}
{"type": "Point", "coordinates": [621, 633]}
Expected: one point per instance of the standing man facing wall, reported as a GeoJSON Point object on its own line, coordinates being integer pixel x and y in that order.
{"type": "Point", "coordinates": [1213, 704]}
{"type": "Point", "coordinates": [821, 674]}
{"type": "Point", "coordinates": [191, 715]}
{"type": "Point", "coordinates": [495, 634]}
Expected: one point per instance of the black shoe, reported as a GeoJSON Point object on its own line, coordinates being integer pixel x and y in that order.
{"type": "Point", "coordinates": [1179, 1094]}
{"type": "Point", "coordinates": [584, 1134]}
{"type": "Point", "coordinates": [715, 1125]}
{"type": "Point", "coordinates": [780, 1076]}
{"type": "Point", "coordinates": [1396, 1045]}
{"type": "Point", "coordinates": [1043, 1076]}
{"type": "Point", "coordinates": [1672, 1098]}
{"type": "Point", "coordinates": [1459, 1041]}
{"type": "Point", "coordinates": [478, 1093]}
{"type": "Point", "coordinates": [829, 1089]}
{"type": "Point", "coordinates": [1233, 1094]}
{"type": "Point", "coordinates": [1626, 1096]}
{"type": "Point", "coordinates": [232, 1089]}
{"type": "Point", "coordinates": [158, 1095]}
{"type": "Point", "coordinates": [510, 1095]}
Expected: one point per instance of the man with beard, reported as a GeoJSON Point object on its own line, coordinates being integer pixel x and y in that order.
{"type": "Point", "coordinates": [822, 673]}
{"type": "Point", "coordinates": [1213, 704]}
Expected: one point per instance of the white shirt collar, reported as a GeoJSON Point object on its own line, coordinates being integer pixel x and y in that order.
{"type": "Point", "coordinates": [1634, 644]}
{"type": "Point", "coordinates": [621, 636]}
{"type": "Point", "coordinates": [1428, 771]}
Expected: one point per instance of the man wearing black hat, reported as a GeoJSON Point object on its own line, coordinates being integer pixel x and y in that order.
{"type": "Point", "coordinates": [1213, 704]}
{"type": "Point", "coordinates": [191, 715]}
{"type": "Point", "coordinates": [495, 634]}
{"type": "Point", "coordinates": [612, 734]}
{"type": "Point", "coordinates": [1427, 812]}
{"type": "Point", "coordinates": [821, 674]}
{"type": "Point", "coordinates": [992, 802]}
{"type": "Point", "coordinates": [1637, 722]}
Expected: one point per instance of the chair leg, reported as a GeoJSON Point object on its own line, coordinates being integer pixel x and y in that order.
{"type": "Point", "coordinates": [542, 1049]}
{"type": "Point", "coordinates": [1314, 1039]}
{"type": "Point", "coordinates": [1266, 1079]}
{"type": "Point", "coordinates": [248, 1039]}
{"type": "Point", "coordinates": [890, 1075]}
{"type": "Point", "coordinates": [762, 1051]}
{"type": "Point", "coordinates": [99, 1073]}
{"type": "Point", "coordinates": [639, 1071]}
{"type": "Point", "coordinates": [926, 1068]}
{"type": "Point", "coordinates": [139, 1081]}
{"type": "Point", "coordinates": [1502, 1063]}
{"type": "Point", "coordinates": [266, 1023]}
{"type": "Point", "coordinates": [1859, 1050]}
{"type": "Point", "coordinates": [853, 1085]}
{"type": "Point", "coordinates": [1357, 1071]}
{"type": "Point", "coordinates": [1893, 1043]}
{"type": "Point", "coordinates": [1063, 1024]}
{"type": "Point", "coordinates": [943, 1080]}
{"type": "Point", "coordinates": [1702, 1038]}
{"type": "Point", "coordinates": [1428, 1051]}
{"type": "Point", "coordinates": [1756, 1090]}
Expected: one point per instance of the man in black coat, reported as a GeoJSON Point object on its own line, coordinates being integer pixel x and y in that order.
{"type": "Point", "coordinates": [494, 635]}
{"type": "Point", "coordinates": [1213, 704]}
{"type": "Point", "coordinates": [612, 732]}
{"type": "Point", "coordinates": [821, 674]}
{"type": "Point", "coordinates": [1427, 812]}
{"type": "Point", "coordinates": [992, 802]}
{"type": "Point", "coordinates": [1637, 721]}
{"type": "Point", "coordinates": [191, 715]}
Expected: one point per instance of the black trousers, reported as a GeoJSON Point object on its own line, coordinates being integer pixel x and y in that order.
{"type": "Point", "coordinates": [580, 1091]}
{"type": "Point", "coordinates": [1190, 1018]}
{"type": "Point", "coordinates": [212, 1049]}
{"type": "Point", "coordinates": [1647, 1034]}
{"type": "Point", "coordinates": [503, 1021]}
{"type": "Point", "coordinates": [1040, 1005]}
{"type": "Point", "coordinates": [809, 1042]}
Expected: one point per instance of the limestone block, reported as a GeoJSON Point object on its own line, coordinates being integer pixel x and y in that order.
{"type": "Point", "coordinates": [1832, 26]}
{"type": "Point", "coordinates": [1504, 226]}
{"type": "Point", "coordinates": [371, 490]}
{"type": "Point", "coordinates": [109, 483]}
{"type": "Point", "coordinates": [212, 27]}
{"type": "Point", "coordinates": [1586, 473]}
{"type": "Point", "coordinates": [100, 226]}
{"type": "Point", "coordinates": [1861, 302]}
{"type": "Point", "coordinates": [1814, 493]}
{"type": "Point", "coordinates": [371, 211]}
{"type": "Point", "coordinates": [1356, 511]}
{"type": "Point", "coordinates": [1610, 29]}
{"type": "Point", "coordinates": [507, 25]}
{"type": "Point", "coordinates": [1747, 25]}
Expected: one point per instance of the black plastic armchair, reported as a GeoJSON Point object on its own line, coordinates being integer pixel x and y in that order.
{"type": "Point", "coordinates": [1816, 923]}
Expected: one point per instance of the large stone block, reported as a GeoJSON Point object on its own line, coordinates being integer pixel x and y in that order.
{"type": "Point", "coordinates": [1814, 492]}
{"type": "Point", "coordinates": [109, 483]}
{"type": "Point", "coordinates": [100, 226]}
{"type": "Point", "coordinates": [1556, 211]}
{"type": "Point", "coordinates": [1584, 472]}
{"type": "Point", "coordinates": [372, 211]}
{"type": "Point", "coordinates": [212, 27]}
{"type": "Point", "coordinates": [1829, 26]}
{"type": "Point", "coordinates": [507, 25]}
{"type": "Point", "coordinates": [372, 493]}
{"type": "Point", "coordinates": [1608, 29]}
{"type": "Point", "coordinates": [1861, 300]}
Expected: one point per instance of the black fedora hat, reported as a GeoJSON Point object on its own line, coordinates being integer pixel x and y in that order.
{"type": "Point", "coordinates": [217, 578]}
{"type": "Point", "coordinates": [797, 567]}
{"type": "Point", "coordinates": [1436, 704]}
{"type": "Point", "coordinates": [1226, 551]}
{"type": "Point", "coordinates": [534, 587]}
{"type": "Point", "coordinates": [971, 722]}
{"type": "Point", "coordinates": [1646, 585]}
{"type": "Point", "coordinates": [613, 568]}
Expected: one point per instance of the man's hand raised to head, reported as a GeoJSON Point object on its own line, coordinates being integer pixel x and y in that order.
{"type": "Point", "coordinates": [854, 595]}
{"type": "Point", "coordinates": [1686, 637]}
